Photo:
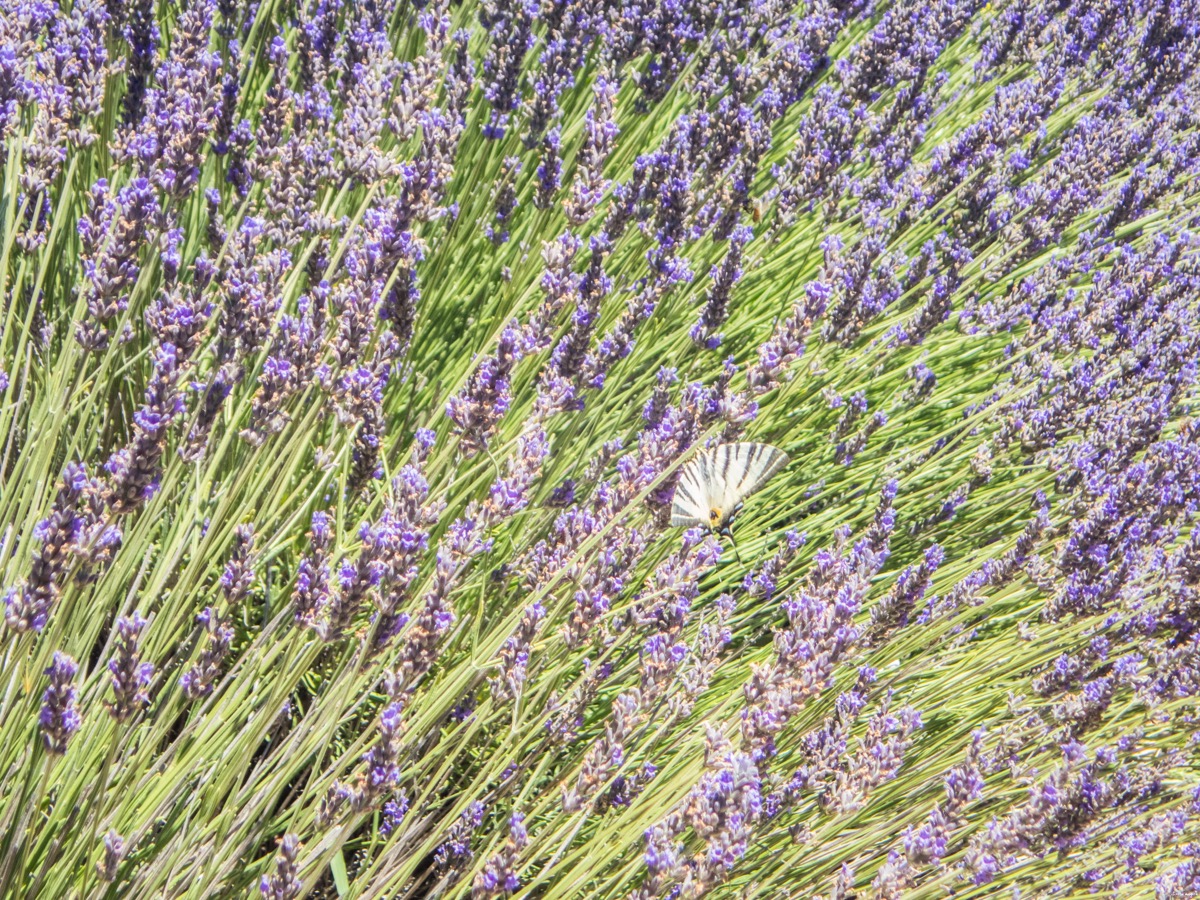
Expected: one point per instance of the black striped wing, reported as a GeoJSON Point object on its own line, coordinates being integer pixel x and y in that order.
{"type": "Point", "coordinates": [721, 478]}
{"type": "Point", "coordinates": [693, 499]}
{"type": "Point", "coordinates": [749, 467]}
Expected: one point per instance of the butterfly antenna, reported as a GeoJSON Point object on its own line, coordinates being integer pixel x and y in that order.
{"type": "Point", "coordinates": [734, 545]}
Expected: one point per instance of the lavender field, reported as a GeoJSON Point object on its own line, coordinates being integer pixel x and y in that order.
{"type": "Point", "coordinates": [351, 354]}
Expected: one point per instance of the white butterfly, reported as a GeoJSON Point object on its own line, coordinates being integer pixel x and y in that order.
{"type": "Point", "coordinates": [714, 485]}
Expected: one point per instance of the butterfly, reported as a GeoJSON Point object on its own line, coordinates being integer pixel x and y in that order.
{"type": "Point", "coordinates": [714, 485]}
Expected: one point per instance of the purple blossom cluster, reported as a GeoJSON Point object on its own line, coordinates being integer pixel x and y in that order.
{"type": "Point", "coordinates": [386, 565]}
{"type": "Point", "coordinates": [216, 638]}
{"type": "Point", "coordinates": [381, 775]}
{"type": "Point", "coordinates": [134, 470]}
{"type": "Point", "coordinates": [661, 611]}
{"type": "Point", "coordinates": [130, 676]}
{"type": "Point", "coordinates": [455, 849]}
{"type": "Point", "coordinates": [215, 633]}
{"type": "Point", "coordinates": [499, 877]}
{"type": "Point", "coordinates": [820, 631]}
{"type": "Point", "coordinates": [727, 805]}
{"type": "Point", "coordinates": [284, 883]}
{"type": "Point", "coordinates": [926, 845]}
{"type": "Point", "coordinates": [722, 809]}
{"type": "Point", "coordinates": [311, 592]}
{"type": "Point", "coordinates": [74, 538]}
{"type": "Point", "coordinates": [114, 852]}
{"type": "Point", "coordinates": [59, 717]}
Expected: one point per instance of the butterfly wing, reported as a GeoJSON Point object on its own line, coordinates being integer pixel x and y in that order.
{"type": "Point", "coordinates": [745, 468]}
{"type": "Point", "coordinates": [720, 479]}
{"type": "Point", "coordinates": [693, 492]}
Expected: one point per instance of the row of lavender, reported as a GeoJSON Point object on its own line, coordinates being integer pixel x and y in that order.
{"type": "Point", "coordinates": [349, 356]}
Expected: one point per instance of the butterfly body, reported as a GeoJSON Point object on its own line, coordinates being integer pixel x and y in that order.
{"type": "Point", "coordinates": [713, 487]}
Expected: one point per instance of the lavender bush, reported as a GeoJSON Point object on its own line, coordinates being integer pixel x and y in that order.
{"type": "Point", "coordinates": [349, 353]}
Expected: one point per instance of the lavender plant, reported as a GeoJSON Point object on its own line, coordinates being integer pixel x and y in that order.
{"type": "Point", "coordinates": [349, 354]}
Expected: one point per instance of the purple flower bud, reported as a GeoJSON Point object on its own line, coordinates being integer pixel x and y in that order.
{"type": "Point", "coordinates": [455, 849]}
{"type": "Point", "coordinates": [549, 169]}
{"type": "Point", "coordinates": [510, 24]}
{"type": "Point", "coordinates": [141, 32]}
{"type": "Point", "coordinates": [312, 592]}
{"type": "Point", "coordinates": [59, 718]}
{"type": "Point", "coordinates": [425, 438]}
{"type": "Point", "coordinates": [599, 136]}
{"type": "Point", "coordinates": [724, 277]}
{"type": "Point", "coordinates": [135, 468]}
{"type": "Point", "coordinates": [284, 883]}
{"type": "Point", "coordinates": [114, 852]}
{"type": "Point", "coordinates": [238, 574]}
{"type": "Point", "coordinates": [130, 676]}
{"type": "Point", "coordinates": [197, 680]}
{"type": "Point", "coordinates": [786, 344]}
{"type": "Point", "coordinates": [477, 408]}
{"type": "Point", "coordinates": [499, 877]}
{"type": "Point", "coordinates": [112, 234]}
{"type": "Point", "coordinates": [504, 201]}
{"type": "Point", "coordinates": [394, 812]}
{"type": "Point", "coordinates": [70, 526]}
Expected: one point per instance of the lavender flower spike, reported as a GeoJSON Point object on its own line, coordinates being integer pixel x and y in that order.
{"type": "Point", "coordinates": [59, 718]}
{"type": "Point", "coordinates": [130, 676]}
{"type": "Point", "coordinates": [197, 681]}
{"type": "Point", "coordinates": [499, 877]}
{"type": "Point", "coordinates": [284, 883]}
{"type": "Point", "coordinates": [313, 590]}
{"type": "Point", "coordinates": [381, 777]}
{"type": "Point", "coordinates": [27, 607]}
{"type": "Point", "coordinates": [724, 277]}
{"type": "Point", "coordinates": [455, 850]}
{"type": "Point", "coordinates": [239, 573]}
{"type": "Point", "coordinates": [135, 468]}
{"type": "Point", "coordinates": [114, 852]}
